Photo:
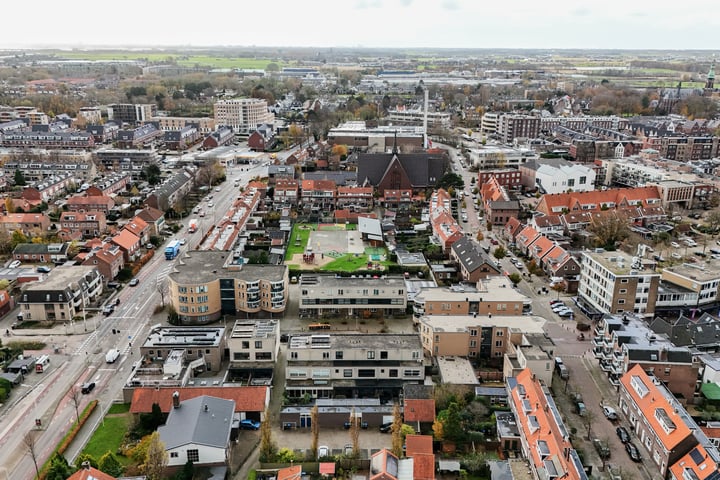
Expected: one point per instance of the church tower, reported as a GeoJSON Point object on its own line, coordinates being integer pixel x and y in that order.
{"type": "Point", "coordinates": [710, 83]}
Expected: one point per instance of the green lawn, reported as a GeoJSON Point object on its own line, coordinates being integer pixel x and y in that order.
{"type": "Point", "coordinates": [184, 60]}
{"type": "Point", "coordinates": [304, 234]}
{"type": "Point", "coordinates": [108, 437]}
{"type": "Point", "coordinates": [119, 408]}
{"type": "Point", "coordinates": [351, 263]}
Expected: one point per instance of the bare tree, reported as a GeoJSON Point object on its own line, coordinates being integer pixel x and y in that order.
{"type": "Point", "coordinates": [156, 459]}
{"type": "Point", "coordinates": [355, 433]}
{"type": "Point", "coordinates": [315, 431]}
{"type": "Point", "coordinates": [588, 420]}
{"type": "Point", "coordinates": [32, 448]}
{"type": "Point", "coordinates": [163, 289]}
{"type": "Point", "coordinates": [74, 395]}
{"type": "Point", "coordinates": [397, 437]}
{"type": "Point", "coordinates": [268, 448]}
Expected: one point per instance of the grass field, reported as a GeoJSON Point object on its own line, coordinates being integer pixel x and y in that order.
{"type": "Point", "coordinates": [108, 437]}
{"type": "Point", "coordinates": [350, 263]}
{"type": "Point", "coordinates": [183, 60]}
{"type": "Point", "coordinates": [304, 234]}
{"type": "Point", "coordinates": [119, 408]}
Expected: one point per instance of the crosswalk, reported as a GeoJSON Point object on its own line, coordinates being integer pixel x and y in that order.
{"type": "Point", "coordinates": [164, 272]}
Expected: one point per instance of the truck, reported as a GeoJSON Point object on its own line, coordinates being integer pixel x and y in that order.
{"type": "Point", "coordinates": [112, 355]}
{"type": "Point", "coordinates": [193, 225]}
{"type": "Point", "coordinates": [172, 250]}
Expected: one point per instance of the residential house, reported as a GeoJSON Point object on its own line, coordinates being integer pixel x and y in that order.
{"type": "Point", "coordinates": [329, 295]}
{"type": "Point", "coordinates": [129, 243]}
{"type": "Point", "coordinates": [419, 413]}
{"type": "Point", "coordinates": [538, 249]}
{"type": "Point", "coordinates": [62, 296]}
{"type": "Point", "coordinates": [41, 252]}
{"type": "Point", "coordinates": [7, 303]}
{"type": "Point", "coordinates": [597, 200]}
{"type": "Point", "coordinates": [352, 365]}
{"type": "Point", "coordinates": [474, 264]}
{"type": "Point", "coordinates": [107, 258]}
{"type": "Point", "coordinates": [420, 449]}
{"type": "Point", "coordinates": [171, 191]}
{"type": "Point", "coordinates": [262, 139]}
{"type": "Point", "coordinates": [614, 282]}
{"type": "Point", "coordinates": [384, 465]}
{"type": "Point", "coordinates": [509, 178]}
{"type": "Point", "coordinates": [203, 344]}
{"type": "Point", "coordinates": [254, 347]}
{"type": "Point", "coordinates": [577, 221]}
{"type": "Point", "coordinates": [511, 229]}
{"type": "Point", "coordinates": [106, 133]}
{"type": "Point", "coordinates": [561, 263]}
{"type": "Point", "coordinates": [544, 438]}
{"type": "Point", "coordinates": [285, 194]}
{"type": "Point", "coordinates": [87, 203]}
{"type": "Point", "coordinates": [318, 195]}
{"type": "Point", "coordinates": [547, 224]}
{"type": "Point", "coordinates": [698, 464]}
{"type": "Point", "coordinates": [399, 200]}
{"type": "Point", "coordinates": [154, 218]}
{"type": "Point", "coordinates": [206, 285]}
{"type": "Point", "coordinates": [198, 431]}
{"type": "Point", "coordinates": [278, 172]}
{"type": "Point", "coordinates": [445, 229]}
{"type": "Point", "coordinates": [355, 199]}
{"type": "Point", "coordinates": [663, 427]}
{"type": "Point", "coordinates": [250, 401]}
{"type": "Point", "coordinates": [30, 224]}
{"type": "Point", "coordinates": [183, 138]}
{"type": "Point", "coordinates": [223, 135]}
{"type": "Point", "coordinates": [138, 137]}
{"type": "Point", "coordinates": [523, 240]}
{"type": "Point", "coordinates": [87, 472]}
{"type": "Point", "coordinates": [89, 224]}
{"type": "Point", "coordinates": [139, 228]}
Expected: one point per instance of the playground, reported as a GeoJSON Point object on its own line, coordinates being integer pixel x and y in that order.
{"type": "Point", "coordinates": [332, 247]}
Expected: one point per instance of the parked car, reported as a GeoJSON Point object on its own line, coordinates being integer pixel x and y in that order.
{"type": "Point", "coordinates": [15, 264]}
{"type": "Point", "coordinates": [87, 387]}
{"type": "Point", "coordinates": [565, 313]}
{"type": "Point", "coordinates": [676, 256]}
{"type": "Point", "coordinates": [556, 302]}
{"type": "Point", "coordinates": [609, 413]}
{"type": "Point", "coordinates": [183, 241]}
{"type": "Point", "coordinates": [623, 434]}
{"type": "Point", "coordinates": [248, 424]}
{"type": "Point", "coordinates": [386, 427]}
{"type": "Point", "coordinates": [633, 451]}
{"type": "Point", "coordinates": [674, 244]}
{"type": "Point", "coordinates": [108, 309]}
{"type": "Point", "coordinates": [581, 409]}
{"type": "Point", "coordinates": [134, 282]}
{"type": "Point", "coordinates": [43, 269]}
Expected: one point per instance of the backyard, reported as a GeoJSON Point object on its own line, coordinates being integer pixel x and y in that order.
{"type": "Point", "coordinates": [111, 433]}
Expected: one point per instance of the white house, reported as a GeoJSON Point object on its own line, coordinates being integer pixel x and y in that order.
{"type": "Point", "coordinates": [554, 175]}
{"type": "Point", "coordinates": [198, 430]}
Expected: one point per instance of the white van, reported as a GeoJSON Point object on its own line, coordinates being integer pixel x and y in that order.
{"type": "Point", "coordinates": [42, 364]}
{"type": "Point", "coordinates": [112, 355]}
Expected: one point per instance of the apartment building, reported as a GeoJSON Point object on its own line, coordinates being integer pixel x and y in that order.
{"type": "Point", "coordinates": [318, 195]}
{"type": "Point", "coordinates": [509, 178]}
{"type": "Point", "coordinates": [497, 157]}
{"type": "Point", "coordinates": [355, 199]}
{"type": "Point", "coordinates": [139, 137]}
{"type": "Point", "coordinates": [131, 113]}
{"type": "Point", "coordinates": [104, 133]}
{"type": "Point", "coordinates": [555, 175]}
{"type": "Point", "coordinates": [203, 347]}
{"type": "Point", "coordinates": [416, 116]}
{"type": "Point", "coordinates": [352, 365]}
{"type": "Point", "coordinates": [77, 163]}
{"type": "Point", "coordinates": [483, 336]}
{"type": "Point", "coordinates": [285, 194]}
{"type": "Point", "coordinates": [183, 138]}
{"type": "Point", "coordinates": [357, 135]}
{"type": "Point", "coordinates": [62, 296]}
{"type": "Point", "coordinates": [512, 126]}
{"type": "Point", "coordinates": [621, 343]}
{"type": "Point", "coordinates": [663, 427]}
{"type": "Point", "coordinates": [328, 295]}
{"type": "Point", "coordinates": [544, 437]}
{"type": "Point", "coordinates": [50, 140]}
{"type": "Point", "coordinates": [95, 203]}
{"type": "Point", "coordinates": [204, 125]}
{"type": "Point", "coordinates": [131, 161]}
{"type": "Point", "coordinates": [683, 147]}
{"type": "Point", "coordinates": [220, 137]}
{"type": "Point", "coordinates": [614, 282]}
{"type": "Point", "coordinates": [597, 200]}
{"type": "Point", "coordinates": [493, 295]}
{"type": "Point", "coordinates": [243, 115]}
{"type": "Point", "coordinates": [205, 285]}
{"type": "Point", "coordinates": [688, 285]}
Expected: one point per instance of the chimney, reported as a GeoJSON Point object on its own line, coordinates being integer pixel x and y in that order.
{"type": "Point", "coordinates": [176, 399]}
{"type": "Point", "coordinates": [205, 408]}
{"type": "Point", "coordinates": [85, 465]}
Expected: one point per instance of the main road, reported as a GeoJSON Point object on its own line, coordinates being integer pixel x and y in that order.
{"type": "Point", "coordinates": [49, 396]}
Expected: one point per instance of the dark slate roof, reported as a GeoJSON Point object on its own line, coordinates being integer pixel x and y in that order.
{"type": "Point", "coordinates": [173, 184]}
{"type": "Point", "coordinates": [423, 169]}
{"type": "Point", "coordinates": [505, 205]}
{"type": "Point", "coordinates": [685, 331]}
{"type": "Point", "coordinates": [471, 255]}
{"type": "Point", "coordinates": [340, 178]}
{"type": "Point", "coordinates": [41, 248]}
{"type": "Point", "coordinates": [415, 391]}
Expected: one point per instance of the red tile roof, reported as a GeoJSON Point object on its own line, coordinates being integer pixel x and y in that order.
{"type": "Point", "coordinates": [126, 239]}
{"type": "Point", "coordinates": [90, 474]}
{"type": "Point", "coordinates": [526, 236]}
{"type": "Point", "coordinates": [247, 399]}
{"type": "Point", "coordinates": [419, 410]}
{"type": "Point", "coordinates": [150, 214]}
{"type": "Point", "coordinates": [541, 247]}
{"type": "Point", "coordinates": [617, 197]}
{"type": "Point", "coordinates": [290, 473]}
{"type": "Point", "coordinates": [654, 405]}
{"type": "Point", "coordinates": [136, 225]}
{"type": "Point", "coordinates": [418, 444]}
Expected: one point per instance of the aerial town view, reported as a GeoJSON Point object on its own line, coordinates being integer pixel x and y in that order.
{"type": "Point", "coordinates": [361, 255]}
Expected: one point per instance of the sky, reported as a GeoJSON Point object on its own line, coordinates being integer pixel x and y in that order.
{"type": "Point", "coordinates": [606, 24]}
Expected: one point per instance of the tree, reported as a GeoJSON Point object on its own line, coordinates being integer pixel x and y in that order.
{"type": "Point", "coordinates": [450, 180]}
{"type": "Point", "coordinates": [268, 448]}
{"type": "Point", "coordinates": [149, 422]}
{"type": "Point", "coordinates": [17, 238]}
{"type": "Point", "coordinates": [296, 132]}
{"type": "Point", "coordinates": [74, 394]}
{"type": "Point", "coordinates": [187, 473]}
{"type": "Point", "coordinates": [156, 459]}
{"type": "Point", "coordinates": [713, 220]}
{"type": "Point", "coordinates": [110, 465]}
{"type": "Point", "coordinates": [558, 287]}
{"type": "Point", "coordinates": [151, 174]}
{"type": "Point", "coordinates": [339, 150]}
{"type": "Point", "coordinates": [272, 67]}
{"type": "Point", "coordinates": [86, 457]}
{"type": "Point", "coordinates": [610, 229]}
{"type": "Point", "coordinates": [315, 431]}
{"type": "Point", "coordinates": [9, 206]}
{"type": "Point", "coordinates": [499, 253]}
{"type": "Point", "coordinates": [515, 278]}
{"type": "Point", "coordinates": [355, 433]}
{"type": "Point", "coordinates": [162, 288]}
{"type": "Point", "coordinates": [59, 468]}
{"type": "Point", "coordinates": [588, 420]}
{"type": "Point", "coordinates": [32, 448]}
{"type": "Point", "coordinates": [397, 439]}
{"type": "Point", "coordinates": [20, 178]}
{"type": "Point", "coordinates": [452, 426]}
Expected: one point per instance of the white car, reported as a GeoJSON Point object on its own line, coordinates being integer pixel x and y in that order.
{"type": "Point", "coordinates": [676, 256]}
{"type": "Point", "coordinates": [674, 245]}
{"type": "Point", "coordinates": [183, 241]}
{"type": "Point", "coordinates": [211, 204]}
{"type": "Point", "coordinates": [15, 264]}
{"type": "Point", "coordinates": [217, 189]}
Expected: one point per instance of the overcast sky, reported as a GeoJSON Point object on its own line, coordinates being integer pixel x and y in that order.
{"type": "Point", "coordinates": [639, 24]}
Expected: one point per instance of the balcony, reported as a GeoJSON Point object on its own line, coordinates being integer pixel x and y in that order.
{"type": "Point", "coordinates": [597, 352]}
{"type": "Point", "coordinates": [600, 330]}
{"type": "Point", "coordinates": [605, 366]}
{"type": "Point", "coordinates": [598, 341]}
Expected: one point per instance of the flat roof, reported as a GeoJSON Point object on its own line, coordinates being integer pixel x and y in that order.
{"type": "Point", "coordinates": [340, 341]}
{"type": "Point", "coordinates": [324, 281]}
{"type": "Point", "coordinates": [205, 266]}
{"type": "Point", "coordinates": [702, 272]}
{"type": "Point", "coordinates": [456, 371]}
{"type": "Point", "coordinates": [460, 323]}
{"type": "Point", "coordinates": [185, 336]}
{"type": "Point", "coordinates": [61, 277]}
{"type": "Point", "coordinates": [619, 263]}
{"type": "Point", "coordinates": [254, 328]}
{"type": "Point", "coordinates": [495, 288]}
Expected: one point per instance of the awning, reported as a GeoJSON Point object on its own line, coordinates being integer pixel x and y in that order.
{"type": "Point", "coordinates": [449, 466]}
{"type": "Point", "coordinates": [711, 391]}
{"type": "Point", "coordinates": [327, 468]}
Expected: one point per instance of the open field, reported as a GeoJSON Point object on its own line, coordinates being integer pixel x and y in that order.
{"type": "Point", "coordinates": [183, 60]}
{"type": "Point", "coordinates": [109, 436]}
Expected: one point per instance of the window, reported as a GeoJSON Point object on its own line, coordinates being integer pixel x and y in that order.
{"type": "Point", "coordinates": [347, 373]}
{"type": "Point", "coordinates": [258, 343]}
{"type": "Point", "coordinates": [245, 345]}
{"type": "Point", "coordinates": [582, 180]}
{"type": "Point", "coordinates": [473, 332]}
{"type": "Point", "coordinates": [366, 373]}
{"type": "Point", "coordinates": [338, 355]}
{"type": "Point", "coordinates": [415, 355]}
{"type": "Point", "coordinates": [499, 343]}
{"type": "Point", "coordinates": [411, 373]}
{"type": "Point", "coordinates": [499, 333]}
{"type": "Point", "coordinates": [371, 355]}
{"type": "Point", "coordinates": [623, 291]}
{"type": "Point", "coordinates": [383, 355]}
{"type": "Point", "coordinates": [326, 355]}
{"type": "Point", "coordinates": [393, 373]}
{"type": "Point", "coordinates": [621, 301]}
{"type": "Point", "coordinates": [174, 454]}
{"type": "Point", "coordinates": [293, 355]}
{"type": "Point", "coordinates": [193, 455]}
